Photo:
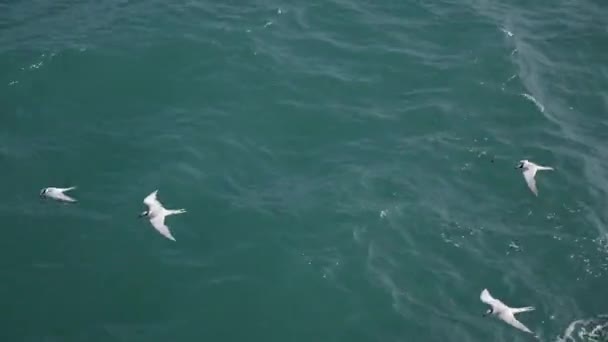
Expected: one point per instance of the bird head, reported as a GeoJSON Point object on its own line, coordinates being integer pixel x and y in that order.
{"type": "Point", "coordinates": [489, 312]}
{"type": "Point", "coordinates": [43, 191]}
{"type": "Point", "coordinates": [521, 164]}
{"type": "Point", "coordinates": [144, 213]}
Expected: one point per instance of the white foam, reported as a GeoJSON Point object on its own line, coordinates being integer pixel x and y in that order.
{"type": "Point", "coordinates": [538, 104]}
{"type": "Point", "coordinates": [585, 330]}
{"type": "Point", "coordinates": [36, 65]}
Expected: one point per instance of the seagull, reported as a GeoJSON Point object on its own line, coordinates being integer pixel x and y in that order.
{"type": "Point", "coordinates": [157, 213]}
{"type": "Point", "coordinates": [529, 171]}
{"type": "Point", "coordinates": [503, 312]}
{"type": "Point", "coordinates": [58, 194]}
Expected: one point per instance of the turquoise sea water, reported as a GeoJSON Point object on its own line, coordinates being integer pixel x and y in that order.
{"type": "Point", "coordinates": [347, 167]}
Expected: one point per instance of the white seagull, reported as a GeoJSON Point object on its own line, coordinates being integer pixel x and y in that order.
{"type": "Point", "coordinates": [529, 171]}
{"type": "Point", "coordinates": [503, 312]}
{"type": "Point", "coordinates": [58, 194]}
{"type": "Point", "coordinates": [157, 213]}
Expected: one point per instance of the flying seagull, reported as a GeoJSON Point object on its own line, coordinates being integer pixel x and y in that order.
{"type": "Point", "coordinates": [529, 171]}
{"type": "Point", "coordinates": [157, 213]}
{"type": "Point", "coordinates": [58, 194]}
{"type": "Point", "coordinates": [503, 312]}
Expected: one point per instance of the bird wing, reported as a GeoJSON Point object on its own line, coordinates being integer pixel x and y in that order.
{"type": "Point", "coordinates": [509, 318]}
{"type": "Point", "coordinates": [158, 222]}
{"type": "Point", "coordinates": [529, 176]}
{"type": "Point", "coordinates": [487, 298]}
{"type": "Point", "coordinates": [152, 202]}
{"type": "Point", "coordinates": [58, 195]}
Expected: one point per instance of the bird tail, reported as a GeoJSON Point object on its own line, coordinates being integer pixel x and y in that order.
{"type": "Point", "coordinates": [545, 168]}
{"type": "Point", "coordinates": [70, 188]}
{"type": "Point", "coordinates": [177, 211]}
{"type": "Point", "coordinates": [526, 309]}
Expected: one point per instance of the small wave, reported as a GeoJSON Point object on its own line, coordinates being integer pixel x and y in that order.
{"type": "Point", "coordinates": [510, 78]}
{"type": "Point", "coordinates": [538, 104]}
{"type": "Point", "coordinates": [36, 65]}
{"type": "Point", "coordinates": [43, 59]}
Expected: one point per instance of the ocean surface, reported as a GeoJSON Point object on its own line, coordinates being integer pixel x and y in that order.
{"type": "Point", "coordinates": [348, 167]}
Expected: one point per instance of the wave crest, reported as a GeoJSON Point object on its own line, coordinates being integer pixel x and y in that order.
{"type": "Point", "coordinates": [588, 330]}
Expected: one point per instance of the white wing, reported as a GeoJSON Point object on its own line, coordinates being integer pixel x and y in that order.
{"type": "Point", "coordinates": [152, 202]}
{"type": "Point", "coordinates": [487, 298]}
{"type": "Point", "coordinates": [508, 317]}
{"type": "Point", "coordinates": [158, 223]}
{"type": "Point", "coordinates": [63, 197]}
{"type": "Point", "coordinates": [529, 176]}
{"type": "Point", "coordinates": [57, 193]}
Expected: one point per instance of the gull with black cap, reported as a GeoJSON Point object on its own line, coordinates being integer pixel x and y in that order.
{"type": "Point", "coordinates": [58, 194]}
{"type": "Point", "coordinates": [501, 311]}
{"type": "Point", "coordinates": [529, 172]}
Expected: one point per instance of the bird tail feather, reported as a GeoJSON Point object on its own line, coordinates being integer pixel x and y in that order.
{"type": "Point", "coordinates": [525, 309]}
{"type": "Point", "coordinates": [177, 211]}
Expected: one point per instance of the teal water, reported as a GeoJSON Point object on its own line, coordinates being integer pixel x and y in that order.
{"type": "Point", "coordinates": [347, 166]}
